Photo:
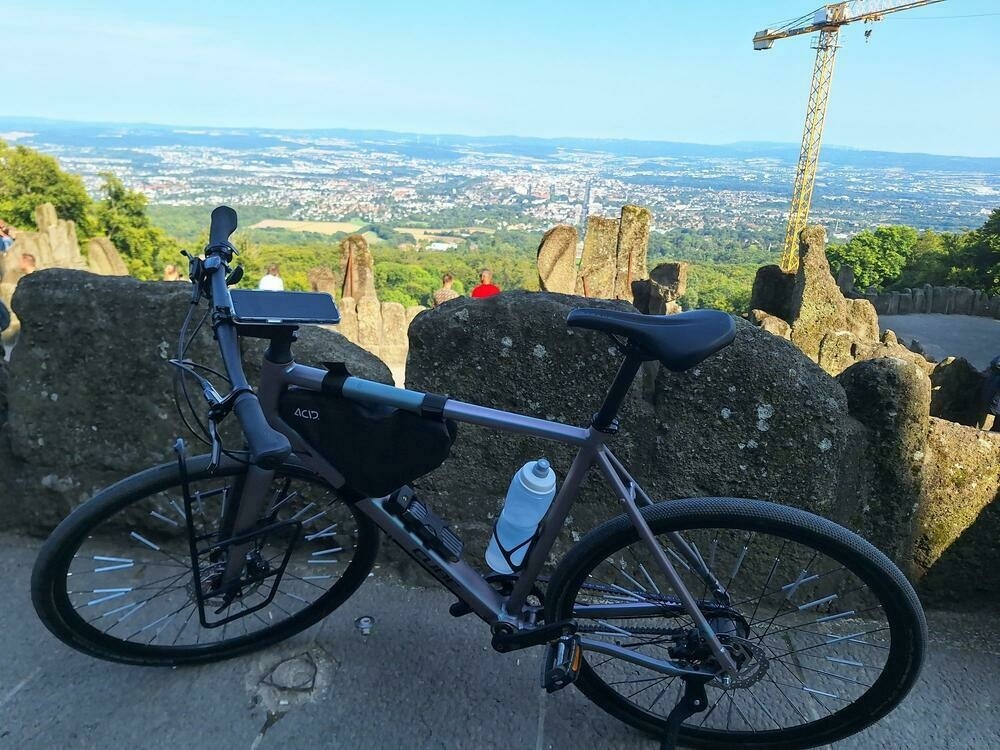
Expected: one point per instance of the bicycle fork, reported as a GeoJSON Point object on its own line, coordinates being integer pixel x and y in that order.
{"type": "Point", "coordinates": [242, 511]}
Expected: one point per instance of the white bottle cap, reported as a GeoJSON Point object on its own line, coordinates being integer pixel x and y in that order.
{"type": "Point", "coordinates": [537, 476]}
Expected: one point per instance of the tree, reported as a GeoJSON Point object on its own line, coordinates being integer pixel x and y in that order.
{"type": "Point", "coordinates": [121, 214]}
{"type": "Point", "coordinates": [977, 260]}
{"type": "Point", "coordinates": [929, 260]}
{"type": "Point", "coordinates": [28, 178]}
{"type": "Point", "coordinates": [876, 256]}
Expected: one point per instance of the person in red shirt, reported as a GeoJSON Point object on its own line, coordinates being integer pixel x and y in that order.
{"type": "Point", "coordinates": [486, 287]}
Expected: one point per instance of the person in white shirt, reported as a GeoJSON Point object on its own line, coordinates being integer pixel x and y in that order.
{"type": "Point", "coordinates": [271, 281]}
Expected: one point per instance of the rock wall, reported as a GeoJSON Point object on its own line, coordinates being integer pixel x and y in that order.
{"type": "Point", "coordinates": [90, 389]}
{"type": "Point", "coordinates": [946, 300]}
{"type": "Point", "coordinates": [89, 395]}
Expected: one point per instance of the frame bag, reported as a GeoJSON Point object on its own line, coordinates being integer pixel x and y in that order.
{"type": "Point", "coordinates": [376, 448]}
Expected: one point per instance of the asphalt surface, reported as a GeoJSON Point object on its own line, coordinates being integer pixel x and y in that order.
{"type": "Point", "coordinates": [421, 679]}
{"type": "Point", "coordinates": [977, 339]}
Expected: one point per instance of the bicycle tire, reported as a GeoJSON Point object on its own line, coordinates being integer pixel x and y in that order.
{"type": "Point", "coordinates": [908, 625]}
{"type": "Point", "coordinates": [49, 589]}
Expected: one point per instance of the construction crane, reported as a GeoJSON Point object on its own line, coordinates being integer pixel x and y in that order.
{"type": "Point", "coordinates": [827, 21]}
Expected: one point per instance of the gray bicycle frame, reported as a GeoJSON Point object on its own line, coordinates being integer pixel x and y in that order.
{"type": "Point", "coordinates": [460, 577]}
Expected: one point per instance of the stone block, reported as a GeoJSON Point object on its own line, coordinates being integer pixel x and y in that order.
{"type": "Point", "coordinates": [596, 277]}
{"type": "Point", "coordinates": [632, 249]}
{"type": "Point", "coordinates": [556, 260]}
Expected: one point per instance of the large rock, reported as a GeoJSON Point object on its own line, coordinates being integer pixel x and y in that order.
{"type": "Point", "coordinates": [862, 320]}
{"type": "Point", "coordinates": [369, 323]}
{"type": "Point", "coordinates": [981, 304]}
{"type": "Point", "coordinates": [556, 260]}
{"type": "Point", "coordinates": [45, 216]}
{"type": "Point", "coordinates": [597, 265]}
{"type": "Point", "coordinates": [512, 352]}
{"type": "Point", "coordinates": [348, 327]}
{"type": "Point", "coordinates": [845, 279]}
{"type": "Point", "coordinates": [357, 268]}
{"type": "Point", "coordinates": [756, 419]}
{"type": "Point", "coordinates": [103, 258]}
{"type": "Point", "coordinates": [771, 323]}
{"type": "Point", "coordinates": [772, 291]}
{"type": "Point", "coordinates": [891, 397]}
{"type": "Point", "coordinates": [817, 306]}
{"type": "Point", "coordinates": [957, 392]}
{"type": "Point", "coordinates": [957, 524]}
{"type": "Point", "coordinates": [323, 279]}
{"type": "Point", "coordinates": [657, 295]}
{"type": "Point", "coordinates": [671, 278]}
{"type": "Point", "coordinates": [91, 394]}
{"type": "Point", "coordinates": [963, 299]}
{"type": "Point", "coordinates": [632, 248]}
{"type": "Point", "coordinates": [943, 299]}
{"type": "Point", "coordinates": [394, 342]}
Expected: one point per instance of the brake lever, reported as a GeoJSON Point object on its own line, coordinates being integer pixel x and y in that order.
{"type": "Point", "coordinates": [213, 433]}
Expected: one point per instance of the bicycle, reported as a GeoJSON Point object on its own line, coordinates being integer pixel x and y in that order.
{"type": "Point", "coordinates": [715, 622]}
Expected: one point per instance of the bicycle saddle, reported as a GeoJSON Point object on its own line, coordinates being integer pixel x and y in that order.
{"type": "Point", "coordinates": [679, 341]}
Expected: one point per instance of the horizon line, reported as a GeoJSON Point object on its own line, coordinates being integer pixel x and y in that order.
{"type": "Point", "coordinates": [552, 139]}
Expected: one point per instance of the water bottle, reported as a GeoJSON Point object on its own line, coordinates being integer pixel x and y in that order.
{"type": "Point", "coordinates": [528, 499]}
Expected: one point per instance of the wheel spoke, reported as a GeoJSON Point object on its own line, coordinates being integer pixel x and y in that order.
{"type": "Point", "coordinates": [132, 574]}
{"type": "Point", "coordinates": [816, 636]}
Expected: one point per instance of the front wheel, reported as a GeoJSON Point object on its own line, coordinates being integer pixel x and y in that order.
{"type": "Point", "coordinates": [116, 578]}
{"type": "Point", "coordinates": [828, 634]}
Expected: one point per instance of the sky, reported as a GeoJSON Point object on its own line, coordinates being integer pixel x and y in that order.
{"type": "Point", "coordinates": [925, 81]}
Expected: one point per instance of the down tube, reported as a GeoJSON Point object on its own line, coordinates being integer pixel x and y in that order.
{"type": "Point", "coordinates": [459, 578]}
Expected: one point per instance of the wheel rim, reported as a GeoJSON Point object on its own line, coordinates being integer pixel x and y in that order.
{"type": "Point", "coordinates": [821, 637]}
{"type": "Point", "coordinates": [128, 583]}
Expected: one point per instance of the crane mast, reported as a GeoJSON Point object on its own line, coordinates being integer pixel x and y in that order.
{"type": "Point", "coordinates": [827, 21]}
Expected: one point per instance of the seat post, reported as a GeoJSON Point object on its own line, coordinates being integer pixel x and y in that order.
{"type": "Point", "coordinates": [604, 419]}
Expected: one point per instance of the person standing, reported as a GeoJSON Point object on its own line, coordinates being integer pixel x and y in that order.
{"type": "Point", "coordinates": [6, 236]}
{"type": "Point", "coordinates": [486, 287]}
{"type": "Point", "coordinates": [170, 273]}
{"type": "Point", "coordinates": [445, 293]}
{"type": "Point", "coordinates": [271, 281]}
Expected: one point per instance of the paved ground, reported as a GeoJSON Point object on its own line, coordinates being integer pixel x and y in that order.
{"type": "Point", "coordinates": [976, 339]}
{"type": "Point", "coordinates": [421, 680]}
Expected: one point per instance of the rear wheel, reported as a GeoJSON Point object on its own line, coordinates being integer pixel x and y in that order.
{"type": "Point", "coordinates": [828, 633]}
{"type": "Point", "coordinates": [115, 579]}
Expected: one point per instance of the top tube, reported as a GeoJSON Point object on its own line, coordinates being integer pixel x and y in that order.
{"type": "Point", "coordinates": [359, 389]}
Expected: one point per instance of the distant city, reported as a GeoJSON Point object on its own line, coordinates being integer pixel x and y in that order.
{"type": "Point", "coordinates": [515, 183]}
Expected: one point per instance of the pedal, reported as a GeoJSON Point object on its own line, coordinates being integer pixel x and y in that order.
{"type": "Point", "coordinates": [430, 528]}
{"type": "Point", "coordinates": [561, 663]}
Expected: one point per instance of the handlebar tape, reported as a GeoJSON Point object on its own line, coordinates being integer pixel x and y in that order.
{"type": "Point", "coordinates": [223, 225]}
{"type": "Point", "coordinates": [268, 447]}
